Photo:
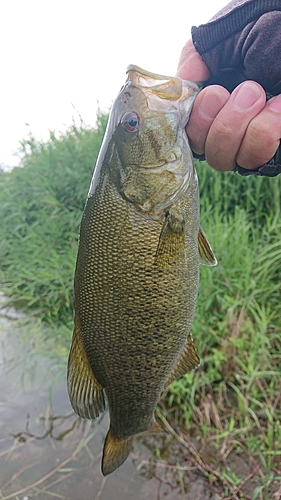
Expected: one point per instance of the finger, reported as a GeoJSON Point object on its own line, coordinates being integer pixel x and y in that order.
{"type": "Point", "coordinates": [207, 105]}
{"type": "Point", "coordinates": [262, 136]}
{"type": "Point", "coordinates": [229, 127]}
{"type": "Point", "coordinates": [191, 65]}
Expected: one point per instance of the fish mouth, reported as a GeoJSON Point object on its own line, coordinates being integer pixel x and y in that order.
{"type": "Point", "coordinates": [149, 74]}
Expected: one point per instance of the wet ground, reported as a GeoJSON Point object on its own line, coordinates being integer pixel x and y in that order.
{"type": "Point", "coordinates": [46, 451]}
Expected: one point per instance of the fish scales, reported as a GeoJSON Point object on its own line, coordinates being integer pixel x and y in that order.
{"type": "Point", "coordinates": [137, 268]}
{"type": "Point", "coordinates": [130, 301]}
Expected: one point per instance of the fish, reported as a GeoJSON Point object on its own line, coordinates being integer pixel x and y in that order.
{"type": "Point", "coordinates": [137, 269]}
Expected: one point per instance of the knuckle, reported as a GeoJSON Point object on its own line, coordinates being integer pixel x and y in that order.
{"type": "Point", "coordinates": [259, 144]}
{"type": "Point", "coordinates": [222, 144]}
{"type": "Point", "coordinates": [223, 129]}
{"type": "Point", "coordinates": [219, 159]}
{"type": "Point", "coordinates": [262, 132]}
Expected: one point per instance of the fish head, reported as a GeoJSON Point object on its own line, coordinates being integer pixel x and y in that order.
{"type": "Point", "coordinates": [152, 113]}
{"type": "Point", "coordinates": [149, 156]}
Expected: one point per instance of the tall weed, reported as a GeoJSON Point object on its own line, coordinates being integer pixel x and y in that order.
{"type": "Point", "coordinates": [40, 212]}
{"type": "Point", "coordinates": [41, 208]}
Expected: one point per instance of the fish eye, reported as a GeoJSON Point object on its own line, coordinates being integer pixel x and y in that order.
{"type": "Point", "coordinates": [130, 121]}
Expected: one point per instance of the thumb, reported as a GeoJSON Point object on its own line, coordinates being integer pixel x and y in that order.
{"type": "Point", "coordinates": [191, 66]}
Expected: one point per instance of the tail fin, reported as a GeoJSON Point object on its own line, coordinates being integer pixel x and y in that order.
{"type": "Point", "coordinates": [115, 452]}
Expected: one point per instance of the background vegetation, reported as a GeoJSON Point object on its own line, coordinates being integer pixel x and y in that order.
{"type": "Point", "coordinates": [233, 399]}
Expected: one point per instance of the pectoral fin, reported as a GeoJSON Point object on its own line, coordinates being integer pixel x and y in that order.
{"type": "Point", "coordinates": [206, 253]}
{"type": "Point", "coordinates": [188, 361]}
{"type": "Point", "coordinates": [85, 393]}
{"type": "Point", "coordinates": [171, 242]}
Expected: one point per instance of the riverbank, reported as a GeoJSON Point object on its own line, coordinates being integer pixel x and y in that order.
{"type": "Point", "coordinates": [46, 450]}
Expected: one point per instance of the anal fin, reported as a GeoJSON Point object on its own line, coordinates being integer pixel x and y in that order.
{"type": "Point", "coordinates": [188, 361]}
{"type": "Point", "coordinates": [85, 393]}
{"type": "Point", "coordinates": [206, 253]}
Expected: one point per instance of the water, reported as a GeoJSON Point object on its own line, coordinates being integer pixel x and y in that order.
{"type": "Point", "coordinates": [46, 451]}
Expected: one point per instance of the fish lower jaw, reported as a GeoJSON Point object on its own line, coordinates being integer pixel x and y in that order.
{"type": "Point", "coordinates": [166, 165]}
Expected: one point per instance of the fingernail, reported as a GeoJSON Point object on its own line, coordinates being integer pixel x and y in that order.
{"type": "Point", "coordinates": [274, 104]}
{"type": "Point", "coordinates": [247, 94]}
{"type": "Point", "coordinates": [211, 104]}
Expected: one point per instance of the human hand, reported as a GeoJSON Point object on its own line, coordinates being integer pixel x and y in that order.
{"type": "Point", "coordinates": [238, 127]}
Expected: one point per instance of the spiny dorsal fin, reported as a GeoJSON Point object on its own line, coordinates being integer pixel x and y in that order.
{"type": "Point", "coordinates": [188, 361]}
{"type": "Point", "coordinates": [85, 393]}
{"type": "Point", "coordinates": [115, 452]}
{"type": "Point", "coordinates": [206, 253]}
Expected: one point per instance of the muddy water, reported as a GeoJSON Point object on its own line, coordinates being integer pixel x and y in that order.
{"type": "Point", "coordinates": [47, 452]}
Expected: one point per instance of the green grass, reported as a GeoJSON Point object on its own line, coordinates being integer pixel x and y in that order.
{"type": "Point", "coordinates": [233, 399]}
{"type": "Point", "coordinates": [40, 213]}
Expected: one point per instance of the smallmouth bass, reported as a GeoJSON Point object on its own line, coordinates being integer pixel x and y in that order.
{"type": "Point", "coordinates": [137, 269]}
